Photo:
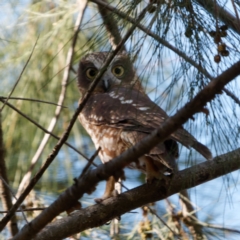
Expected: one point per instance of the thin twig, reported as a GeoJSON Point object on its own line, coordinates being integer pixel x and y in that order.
{"type": "Point", "coordinates": [192, 176]}
{"type": "Point", "coordinates": [175, 220]}
{"type": "Point", "coordinates": [14, 196]}
{"type": "Point", "coordinates": [31, 100]}
{"type": "Point", "coordinates": [111, 26]}
{"type": "Point", "coordinates": [189, 215]}
{"type": "Point", "coordinates": [236, 12]}
{"type": "Point", "coordinates": [5, 190]}
{"type": "Point", "coordinates": [223, 14]}
{"type": "Point", "coordinates": [43, 129]}
{"type": "Point", "coordinates": [90, 162]}
{"type": "Point", "coordinates": [82, 6]}
{"type": "Point", "coordinates": [58, 146]}
{"type": "Point", "coordinates": [27, 210]}
{"type": "Point", "coordinates": [208, 225]}
{"type": "Point", "coordinates": [165, 43]}
{"type": "Point", "coordinates": [163, 222]}
{"type": "Point", "coordinates": [20, 76]}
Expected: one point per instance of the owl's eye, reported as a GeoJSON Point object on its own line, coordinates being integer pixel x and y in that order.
{"type": "Point", "coordinates": [91, 73]}
{"type": "Point", "coordinates": [118, 71]}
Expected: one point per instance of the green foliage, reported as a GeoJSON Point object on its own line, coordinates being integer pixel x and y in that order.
{"type": "Point", "coordinates": [171, 76]}
{"type": "Point", "coordinates": [50, 27]}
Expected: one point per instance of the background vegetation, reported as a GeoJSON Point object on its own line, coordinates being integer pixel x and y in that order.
{"type": "Point", "coordinates": [177, 49]}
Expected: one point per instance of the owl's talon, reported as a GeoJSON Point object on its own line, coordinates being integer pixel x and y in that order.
{"type": "Point", "coordinates": [109, 190]}
{"type": "Point", "coordinates": [98, 200]}
{"type": "Point", "coordinates": [114, 193]}
{"type": "Point", "coordinates": [156, 175]}
{"type": "Point", "coordinates": [149, 180]}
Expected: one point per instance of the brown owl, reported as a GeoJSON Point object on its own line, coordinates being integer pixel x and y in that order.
{"type": "Point", "coordinates": [119, 114]}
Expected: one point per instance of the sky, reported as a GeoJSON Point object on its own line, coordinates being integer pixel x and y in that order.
{"type": "Point", "coordinates": [217, 199]}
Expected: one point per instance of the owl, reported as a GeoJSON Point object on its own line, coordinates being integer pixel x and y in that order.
{"type": "Point", "coordinates": [119, 114]}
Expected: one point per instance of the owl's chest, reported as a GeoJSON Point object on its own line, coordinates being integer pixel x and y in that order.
{"type": "Point", "coordinates": [105, 137]}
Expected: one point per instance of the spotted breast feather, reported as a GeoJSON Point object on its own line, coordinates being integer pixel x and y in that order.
{"type": "Point", "coordinates": [132, 111]}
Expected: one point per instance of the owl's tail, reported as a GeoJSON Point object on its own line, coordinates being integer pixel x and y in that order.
{"type": "Point", "coordinates": [202, 149]}
{"type": "Point", "coordinates": [186, 139]}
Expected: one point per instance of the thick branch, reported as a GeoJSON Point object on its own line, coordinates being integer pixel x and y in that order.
{"type": "Point", "coordinates": [99, 214]}
{"type": "Point", "coordinates": [88, 182]}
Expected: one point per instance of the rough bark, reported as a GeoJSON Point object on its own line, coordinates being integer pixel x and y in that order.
{"type": "Point", "coordinates": [99, 214]}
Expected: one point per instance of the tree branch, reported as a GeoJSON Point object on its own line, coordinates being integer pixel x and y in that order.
{"type": "Point", "coordinates": [49, 215]}
{"type": "Point", "coordinates": [5, 193]}
{"type": "Point", "coordinates": [31, 100]}
{"type": "Point", "coordinates": [82, 6]}
{"type": "Point", "coordinates": [87, 183]}
{"type": "Point", "coordinates": [113, 32]}
{"type": "Point", "coordinates": [99, 214]}
{"type": "Point", "coordinates": [20, 76]}
{"type": "Point", "coordinates": [111, 26]}
{"type": "Point", "coordinates": [164, 43]}
{"type": "Point", "coordinates": [215, 9]}
{"type": "Point", "coordinates": [43, 129]}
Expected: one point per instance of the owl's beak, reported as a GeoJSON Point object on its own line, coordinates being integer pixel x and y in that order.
{"type": "Point", "coordinates": [106, 84]}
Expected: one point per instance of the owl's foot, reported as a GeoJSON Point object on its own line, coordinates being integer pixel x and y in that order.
{"type": "Point", "coordinates": [150, 176]}
{"type": "Point", "coordinates": [109, 190]}
{"type": "Point", "coordinates": [161, 176]}
{"type": "Point", "coordinates": [151, 171]}
{"type": "Point", "coordinates": [114, 193]}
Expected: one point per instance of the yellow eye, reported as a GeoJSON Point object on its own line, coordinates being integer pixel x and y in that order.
{"type": "Point", "coordinates": [91, 73]}
{"type": "Point", "coordinates": [118, 71]}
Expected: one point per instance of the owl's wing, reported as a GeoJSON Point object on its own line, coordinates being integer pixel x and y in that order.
{"type": "Point", "coordinates": [165, 153]}
{"type": "Point", "coordinates": [132, 111]}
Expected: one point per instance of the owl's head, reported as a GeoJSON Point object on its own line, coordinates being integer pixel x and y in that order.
{"type": "Point", "coordinates": [120, 72]}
